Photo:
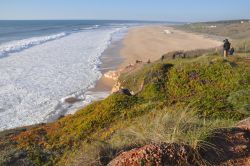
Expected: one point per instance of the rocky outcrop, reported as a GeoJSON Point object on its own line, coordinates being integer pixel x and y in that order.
{"type": "Point", "coordinates": [116, 87]}
{"type": "Point", "coordinates": [114, 75]}
{"type": "Point", "coordinates": [229, 146]}
{"type": "Point", "coordinates": [245, 124]}
{"type": "Point", "coordinates": [224, 147]}
{"type": "Point", "coordinates": [124, 92]}
{"type": "Point", "coordinates": [157, 155]}
{"type": "Point", "coordinates": [71, 100]}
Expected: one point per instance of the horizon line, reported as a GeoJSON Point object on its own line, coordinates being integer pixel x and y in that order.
{"type": "Point", "coordinates": [136, 20]}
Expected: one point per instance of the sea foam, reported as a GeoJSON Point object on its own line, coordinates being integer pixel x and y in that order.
{"type": "Point", "coordinates": [15, 46]}
{"type": "Point", "coordinates": [35, 81]}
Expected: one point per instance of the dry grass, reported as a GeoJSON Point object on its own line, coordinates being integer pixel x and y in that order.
{"type": "Point", "coordinates": [168, 126]}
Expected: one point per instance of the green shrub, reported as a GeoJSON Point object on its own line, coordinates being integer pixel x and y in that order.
{"type": "Point", "coordinates": [241, 101]}
{"type": "Point", "coordinates": [206, 86]}
{"type": "Point", "coordinates": [148, 74]}
{"type": "Point", "coordinates": [93, 118]}
{"type": "Point", "coordinates": [153, 92]}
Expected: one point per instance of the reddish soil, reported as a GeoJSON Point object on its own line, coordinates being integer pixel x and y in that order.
{"type": "Point", "coordinates": [224, 147]}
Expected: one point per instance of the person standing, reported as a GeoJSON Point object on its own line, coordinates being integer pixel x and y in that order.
{"type": "Point", "coordinates": [226, 47]}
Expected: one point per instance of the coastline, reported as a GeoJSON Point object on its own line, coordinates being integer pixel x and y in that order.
{"type": "Point", "coordinates": [128, 48]}
{"type": "Point", "coordinates": [103, 128]}
{"type": "Point", "coordinates": [145, 43]}
{"type": "Point", "coordinates": [111, 61]}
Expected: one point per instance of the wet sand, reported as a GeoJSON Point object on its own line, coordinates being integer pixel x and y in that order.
{"type": "Point", "coordinates": [111, 60]}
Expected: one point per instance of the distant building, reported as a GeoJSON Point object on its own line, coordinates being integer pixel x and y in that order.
{"type": "Point", "coordinates": [167, 31]}
{"type": "Point", "coordinates": [212, 26]}
{"type": "Point", "coordinates": [242, 22]}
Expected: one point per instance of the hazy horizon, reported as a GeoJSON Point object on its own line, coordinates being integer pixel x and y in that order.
{"type": "Point", "coordinates": [125, 20]}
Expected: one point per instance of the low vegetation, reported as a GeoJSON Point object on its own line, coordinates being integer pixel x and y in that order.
{"type": "Point", "coordinates": [175, 101]}
{"type": "Point", "coordinates": [169, 125]}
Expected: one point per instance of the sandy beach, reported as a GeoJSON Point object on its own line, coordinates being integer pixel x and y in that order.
{"type": "Point", "coordinates": [149, 42]}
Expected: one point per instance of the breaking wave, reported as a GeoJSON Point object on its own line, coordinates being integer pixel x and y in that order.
{"type": "Point", "coordinates": [19, 45]}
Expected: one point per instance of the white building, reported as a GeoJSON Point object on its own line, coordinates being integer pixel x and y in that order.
{"type": "Point", "coordinates": [212, 26]}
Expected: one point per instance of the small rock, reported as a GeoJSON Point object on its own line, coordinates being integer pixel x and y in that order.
{"type": "Point", "coordinates": [245, 124]}
{"type": "Point", "coordinates": [124, 92]}
{"type": "Point", "coordinates": [156, 155]}
{"type": "Point", "coordinates": [71, 100]}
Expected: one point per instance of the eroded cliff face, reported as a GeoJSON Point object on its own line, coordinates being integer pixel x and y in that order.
{"type": "Point", "coordinates": [114, 75]}
{"type": "Point", "coordinates": [116, 87]}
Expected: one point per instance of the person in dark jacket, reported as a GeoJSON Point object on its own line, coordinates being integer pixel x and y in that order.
{"type": "Point", "coordinates": [226, 47]}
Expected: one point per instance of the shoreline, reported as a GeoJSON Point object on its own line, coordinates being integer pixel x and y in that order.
{"type": "Point", "coordinates": [143, 43]}
{"type": "Point", "coordinates": [111, 61]}
{"type": "Point", "coordinates": [119, 54]}
{"type": "Point", "coordinates": [99, 90]}
{"type": "Point", "coordinates": [138, 43]}
{"type": "Point", "coordinates": [123, 52]}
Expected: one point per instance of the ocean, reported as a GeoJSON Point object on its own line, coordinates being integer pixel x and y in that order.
{"type": "Point", "coordinates": [42, 63]}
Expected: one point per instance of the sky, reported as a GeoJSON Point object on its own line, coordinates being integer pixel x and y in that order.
{"type": "Point", "coordinates": [164, 10]}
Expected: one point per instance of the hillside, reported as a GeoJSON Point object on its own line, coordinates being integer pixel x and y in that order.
{"type": "Point", "coordinates": [176, 101]}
